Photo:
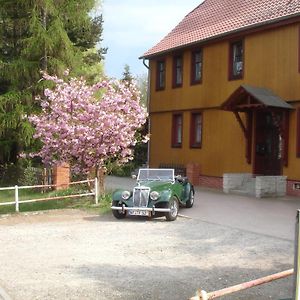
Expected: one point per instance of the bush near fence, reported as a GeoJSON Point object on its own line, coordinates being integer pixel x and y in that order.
{"type": "Point", "coordinates": [24, 174]}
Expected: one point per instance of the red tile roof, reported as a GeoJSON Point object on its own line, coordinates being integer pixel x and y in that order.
{"type": "Point", "coordinates": [214, 18]}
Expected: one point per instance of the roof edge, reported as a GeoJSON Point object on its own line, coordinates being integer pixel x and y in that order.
{"type": "Point", "coordinates": [226, 34]}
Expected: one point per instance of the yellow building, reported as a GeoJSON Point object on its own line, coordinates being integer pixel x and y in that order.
{"type": "Point", "coordinates": [225, 91]}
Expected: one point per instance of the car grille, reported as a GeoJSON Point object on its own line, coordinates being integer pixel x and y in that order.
{"type": "Point", "coordinates": [141, 196]}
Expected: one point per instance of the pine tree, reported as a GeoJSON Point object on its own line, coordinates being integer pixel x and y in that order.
{"type": "Point", "coordinates": [48, 35]}
{"type": "Point", "coordinates": [127, 76]}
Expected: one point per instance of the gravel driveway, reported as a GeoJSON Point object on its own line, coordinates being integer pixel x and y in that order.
{"type": "Point", "coordinates": [71, 254]}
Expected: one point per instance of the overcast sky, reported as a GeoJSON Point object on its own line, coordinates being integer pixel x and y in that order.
{"type": "Point", "coordinates": [131, 27]}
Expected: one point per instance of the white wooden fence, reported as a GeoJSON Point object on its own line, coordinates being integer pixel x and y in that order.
{"type": "Point", "coordinates": [17, 201]}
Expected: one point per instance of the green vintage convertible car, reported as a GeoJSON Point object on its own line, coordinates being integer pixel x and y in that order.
{"type": "Point", "coordinates": [157, 193]}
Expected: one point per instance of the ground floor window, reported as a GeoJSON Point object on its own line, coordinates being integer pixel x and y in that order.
{"type": "Point", "coordinates": [196, 130]}
{"type": "Point", "coordinates": [298, 133]}
{"type": "Point", "coordinates": [177, 126]}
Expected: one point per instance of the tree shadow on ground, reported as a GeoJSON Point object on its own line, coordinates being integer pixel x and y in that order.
{"type": "Point", "coordinates": [233, 256]}
{"type": "Point", "coordinates": [150, 282]}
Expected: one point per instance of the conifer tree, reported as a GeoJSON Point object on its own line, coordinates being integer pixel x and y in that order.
{"type": "Point", "coordinates": [47, 35]}
{"type": "Point", "coordinates": [127, 76]}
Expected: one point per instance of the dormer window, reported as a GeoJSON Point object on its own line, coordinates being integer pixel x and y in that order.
{"type": "Point", "coordinates": [236, 60]}
{"type": "Point", "coordinates": [177, 71]}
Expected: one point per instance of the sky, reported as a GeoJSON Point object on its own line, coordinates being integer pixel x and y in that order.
{"type": "Point", "coordinates": [131, 27]}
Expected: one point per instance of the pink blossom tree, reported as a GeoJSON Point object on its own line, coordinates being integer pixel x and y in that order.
{"type": "Point", "coordinates": [87, 126]}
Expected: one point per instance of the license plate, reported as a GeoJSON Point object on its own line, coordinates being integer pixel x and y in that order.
{"type": "Point", "coordinates": [139, 212]}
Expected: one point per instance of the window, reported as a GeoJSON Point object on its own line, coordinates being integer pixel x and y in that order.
{"type": "Point", "coordinates": [196, 130]}
{"type": "Point", "coordinates": [177, 130]}
{"type": "Point", "coordinates": [236, 60]}
{"type": "Point", "coordinates": [298, 133]}
{"type": "Point", "coordinates": [196, 67]}
{"type": "Point", "coordinates": [177, 71]}
{"type": "Point", "coordinates": [160, 75]}
{"type": "Point", "coordinates": [299, 50]}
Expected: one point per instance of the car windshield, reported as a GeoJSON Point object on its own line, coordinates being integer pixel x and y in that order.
{"type": "Point", "coordinates": [156, 174]}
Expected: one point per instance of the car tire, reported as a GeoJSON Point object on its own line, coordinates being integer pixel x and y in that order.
{"type": "Point", "coordinates": [174, 206]}
{"type": "Point", "coordinates": [190, 201]}
{"type": "Point", "coordinates": [118, 214]}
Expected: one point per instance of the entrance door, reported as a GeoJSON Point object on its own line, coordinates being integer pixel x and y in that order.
{"type": "Point", "coordinates": [268, 146]}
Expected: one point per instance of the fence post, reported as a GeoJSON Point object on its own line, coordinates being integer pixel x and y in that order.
{"type": "Point", "coordinates": [96, 190]}
{"type": "Point", "coordinates": [17, 198]}
{"type": "Point", "coordinates": [296, 259]}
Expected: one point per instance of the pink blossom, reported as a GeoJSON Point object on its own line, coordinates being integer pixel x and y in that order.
{"type": "Point", "coordinates": [85, 129]}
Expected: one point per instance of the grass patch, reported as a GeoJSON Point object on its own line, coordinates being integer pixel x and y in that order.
{"type": "Point", "coordinates": [87, 202]}
{"type": "Point", "coordinates": [105, 203]}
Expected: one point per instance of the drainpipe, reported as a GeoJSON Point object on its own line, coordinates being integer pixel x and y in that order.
{"type": "Point", "coordinates": [148, 109]}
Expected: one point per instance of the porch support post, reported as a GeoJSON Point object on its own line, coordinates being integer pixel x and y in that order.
{"type": "Point", "coordinates": [249, 116]}
{"type": "Point", "coordinates": [238, 117]}
{"type": "Point", "coordinates": [247, 130]}
{"type": "Point", "coordinates": [286, 122]}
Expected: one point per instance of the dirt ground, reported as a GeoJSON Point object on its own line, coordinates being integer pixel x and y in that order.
{"type": "Point", "coordinates": [71, 254]}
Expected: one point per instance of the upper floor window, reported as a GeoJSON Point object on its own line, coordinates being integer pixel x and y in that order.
{"type": "Point", "coordinates": [236, 60]}
{"type": "Point", "coordinates": [177, 71]}
{"type": "Point", "coordinates": [196, 130]}
{"type": "Point", "coordinates": [177, 127]}
{"type": "Point", "coordinates": [196, 67]}
{"type": "Point", "coordinates": [160, 75]}
{"type": "Point", "coordinates": [299, 50]}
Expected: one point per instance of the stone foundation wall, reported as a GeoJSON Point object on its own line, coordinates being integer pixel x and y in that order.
{"type": "Point", "coordinates": [264, 186]}
{"type": "Point", "coordinates": [234, 181]}
{"type": "Point", "coordinates": [270, 186]}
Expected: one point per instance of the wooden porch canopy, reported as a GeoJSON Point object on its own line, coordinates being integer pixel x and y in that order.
{"type": "Point", "coordinates": [248, 99]}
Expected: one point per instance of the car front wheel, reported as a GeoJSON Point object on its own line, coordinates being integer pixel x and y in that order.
{"type": "Point", "coordinates": [118, 214]}
{"type": "Point", "coordinates": [174, 208]}
{"type": "Point", "coordinates": [190, 201]}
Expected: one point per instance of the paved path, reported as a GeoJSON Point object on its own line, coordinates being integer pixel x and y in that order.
{"type": "Point", "coordinates": [269, 216]}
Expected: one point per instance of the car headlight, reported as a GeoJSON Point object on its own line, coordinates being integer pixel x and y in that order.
{"type": "Point", "coordinates": [154, 195]}
{"type": "Point", "coordinates": [126, 195]}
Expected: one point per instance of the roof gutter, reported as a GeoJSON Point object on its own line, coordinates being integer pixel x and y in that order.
{"type": "Point", "coordinates": [148, 109]}
{"type": "Point", "coordinates": [144, 63]}
{"type": "Point", "coordinates": [227, 34]}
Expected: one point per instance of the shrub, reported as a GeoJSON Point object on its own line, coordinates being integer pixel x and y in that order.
{"type": "Point", "coordinates": [31, 176]}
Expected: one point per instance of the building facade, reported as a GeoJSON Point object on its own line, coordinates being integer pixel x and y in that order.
{"type": "Point", "coordinates": [225, 91]}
